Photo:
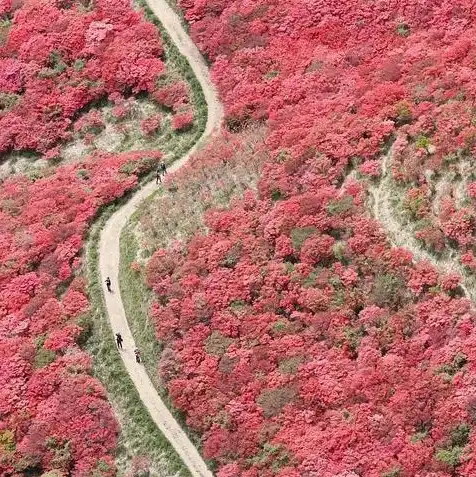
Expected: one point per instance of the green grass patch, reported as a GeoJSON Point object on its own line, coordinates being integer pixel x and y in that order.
{"type": "Point", "coordinates": [136, 298]}
{"type": "Point", "coordinates": [139, 434]}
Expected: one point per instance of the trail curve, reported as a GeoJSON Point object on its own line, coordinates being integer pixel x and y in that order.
{"type": "Point", "coordinates": [109, 251]}
{"type": "Point", "coordinates": [399, 236]}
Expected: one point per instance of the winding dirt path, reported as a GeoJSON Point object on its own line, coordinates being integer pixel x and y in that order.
{"type": "Point", "coordinates": [109, 252]}
{"type": "Point", "coordinates": [399, 236]}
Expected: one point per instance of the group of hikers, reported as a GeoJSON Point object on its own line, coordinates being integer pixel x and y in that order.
{"type": "Point", "coordinates": [119, 339]}
{"type": "Point", "coordinates": [161, 171]}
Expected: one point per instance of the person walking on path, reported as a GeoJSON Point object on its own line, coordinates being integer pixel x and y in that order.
{"type": "Point", "coordinates": [137, 353]}
{"type": "Point", "coordinates": [163, 168]}
{"type": "Point", "coordinates": [119, 340]}
{"type": "Point", "coordinates": [108, 284]}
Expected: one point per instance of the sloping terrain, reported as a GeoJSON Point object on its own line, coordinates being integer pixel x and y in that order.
{"type": "Point", "coordinates": [63, 65]}
{"type": "Point", "coordinates": [109, 252]}
{"type": "Point", "coordinates": [296, 337]}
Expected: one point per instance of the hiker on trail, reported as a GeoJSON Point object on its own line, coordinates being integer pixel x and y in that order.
{"type": "Point", "coordinates": [119, 340]}
{"type": "Point", "coordinates": [163, 168]}
{"type": "Point", "coordinates": [137, 353]}
{"type": "Point", "coordinates": [157, 177]}
{"type": "Point", "coordinates": [108, 284]}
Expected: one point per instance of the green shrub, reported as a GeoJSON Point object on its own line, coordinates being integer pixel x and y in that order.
{"type": "Point", "coordinates": [237, 305]}
{"type": "Point", "coordinates": [82, 174]}
{"type": "Point", "coordinates": [460, 435]}
{"type": "Point", "coordinates": [458, 363]}
{"type": "Point", "coordinates": [280, 326]}
{"type": "Point", "coordinates": [232, 257]}
{"type": "Point", "coordinates": [353, 336]}
{"type": "Point", "coordinates": [271, 455]}
{"type": "Point", "coordinates": [339, 249]}
{"type": "Point", "coordinates": [403, 30]}
{"type": "Point", "coordinates": [452, 452]}
{"type": "Point", "coordinates": [422, 142]}
{"type": "Point", "coordinates": [217, 344]}
{"type": "Point", "coordinates": [7, 101]}
{"type": "Point", "coordinates": [276, 195]}
{"type": "Point", "coordinates": [128, 168]}
{"type": "Point", "coordinates": [271, 74]}
{"type": "Point", "coordinates": [300, 235]}
{"type": "Point", "coordinates": [418, 436]}
{"type": "Point", "coordinates": [388, 290]}
{"type": "Point", "coordinates": [450, 457]}
{"type": "Point", "coordinates": [290, 365]}
{"type": "Point", "coordinates": [79, 64]}
{"type": "Point", "coordinates": [44, 357]}
{"type": "Point", "coordinates": [85, 322]}
{"type": "Point", "coordinates": [56, 66]}
{"type": "Point", "coordinates": [272, 401]}
{"type": "Point", "coordinates": [310, 280]}
{"type": "Point", "coordinates": [336, 207]}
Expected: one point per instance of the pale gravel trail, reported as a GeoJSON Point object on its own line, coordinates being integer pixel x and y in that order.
{"type": "Point", "coordinates": [398, 235]}
{"type": "Point", "coordinates": [109, 251]}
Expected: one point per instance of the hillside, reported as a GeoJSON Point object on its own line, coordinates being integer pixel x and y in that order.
{"type": "Point", "coordinates": [89, 103]}
{"type": "Point", "coordinates": [299, 335]}
{"type": "Point", "coordinates": [302, 289]}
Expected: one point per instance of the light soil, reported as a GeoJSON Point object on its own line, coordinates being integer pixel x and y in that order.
{"type": "Point", "coordinates": [109, 251]}
{"type": "Point", "coordinates": [399, 235]}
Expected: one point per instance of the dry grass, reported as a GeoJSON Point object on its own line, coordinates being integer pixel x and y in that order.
{"type": "Point", "coordinates": [272, 401]}
{"type": "Point", "coordinates": [126, 134]}
{"type": "Point", "coordinates": [178, 214]}
{"type": "Point", "coordinates": [22, 163]}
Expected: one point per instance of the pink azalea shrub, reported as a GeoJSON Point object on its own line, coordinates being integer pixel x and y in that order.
{"type": "Point", "coordinates": [56, 60]}
{"type": "Point", "coordinates": [151, 124]}
{"type": "Point", "coordinates": [182, 121]}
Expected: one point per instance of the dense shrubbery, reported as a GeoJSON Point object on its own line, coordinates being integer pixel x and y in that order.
{"type": "Point", "coordinates": [297, 342]}
{"type": "Point", "coordinates": [47, 396]}
{"type": "Point", "coordinates": [56, 60]}
{"type": "Point", "coordinates": [61, 57]}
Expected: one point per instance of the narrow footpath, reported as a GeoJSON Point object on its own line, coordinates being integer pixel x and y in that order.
{"type": "Point", "coordinates": [109, 251]}
{"type": "Point", "coordinates": [400, 236]}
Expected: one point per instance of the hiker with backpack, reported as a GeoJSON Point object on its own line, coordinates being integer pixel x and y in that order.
{"type": "Point", "coordinates": [108, 284]}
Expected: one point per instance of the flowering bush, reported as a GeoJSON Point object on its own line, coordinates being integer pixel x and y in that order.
{"type": "Point", "coordinates": [151, 124]}
{"type": "Point", "coordinates": [370, 168]}
{"type": "Point", "coordinates": [43, 223]}
{"type": "Point", "coordinates": [60, 61]}
{"type": "Point", "coordinates": [182, 121]}
{"type": "Point", "coordinates": [90, 123]}
{"type": "Point", "coordinates": [174, 95]}
{"type": "Point", "coordinates": [56, 61]}
{"type": "Point", "coordinates": [298, 342]}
